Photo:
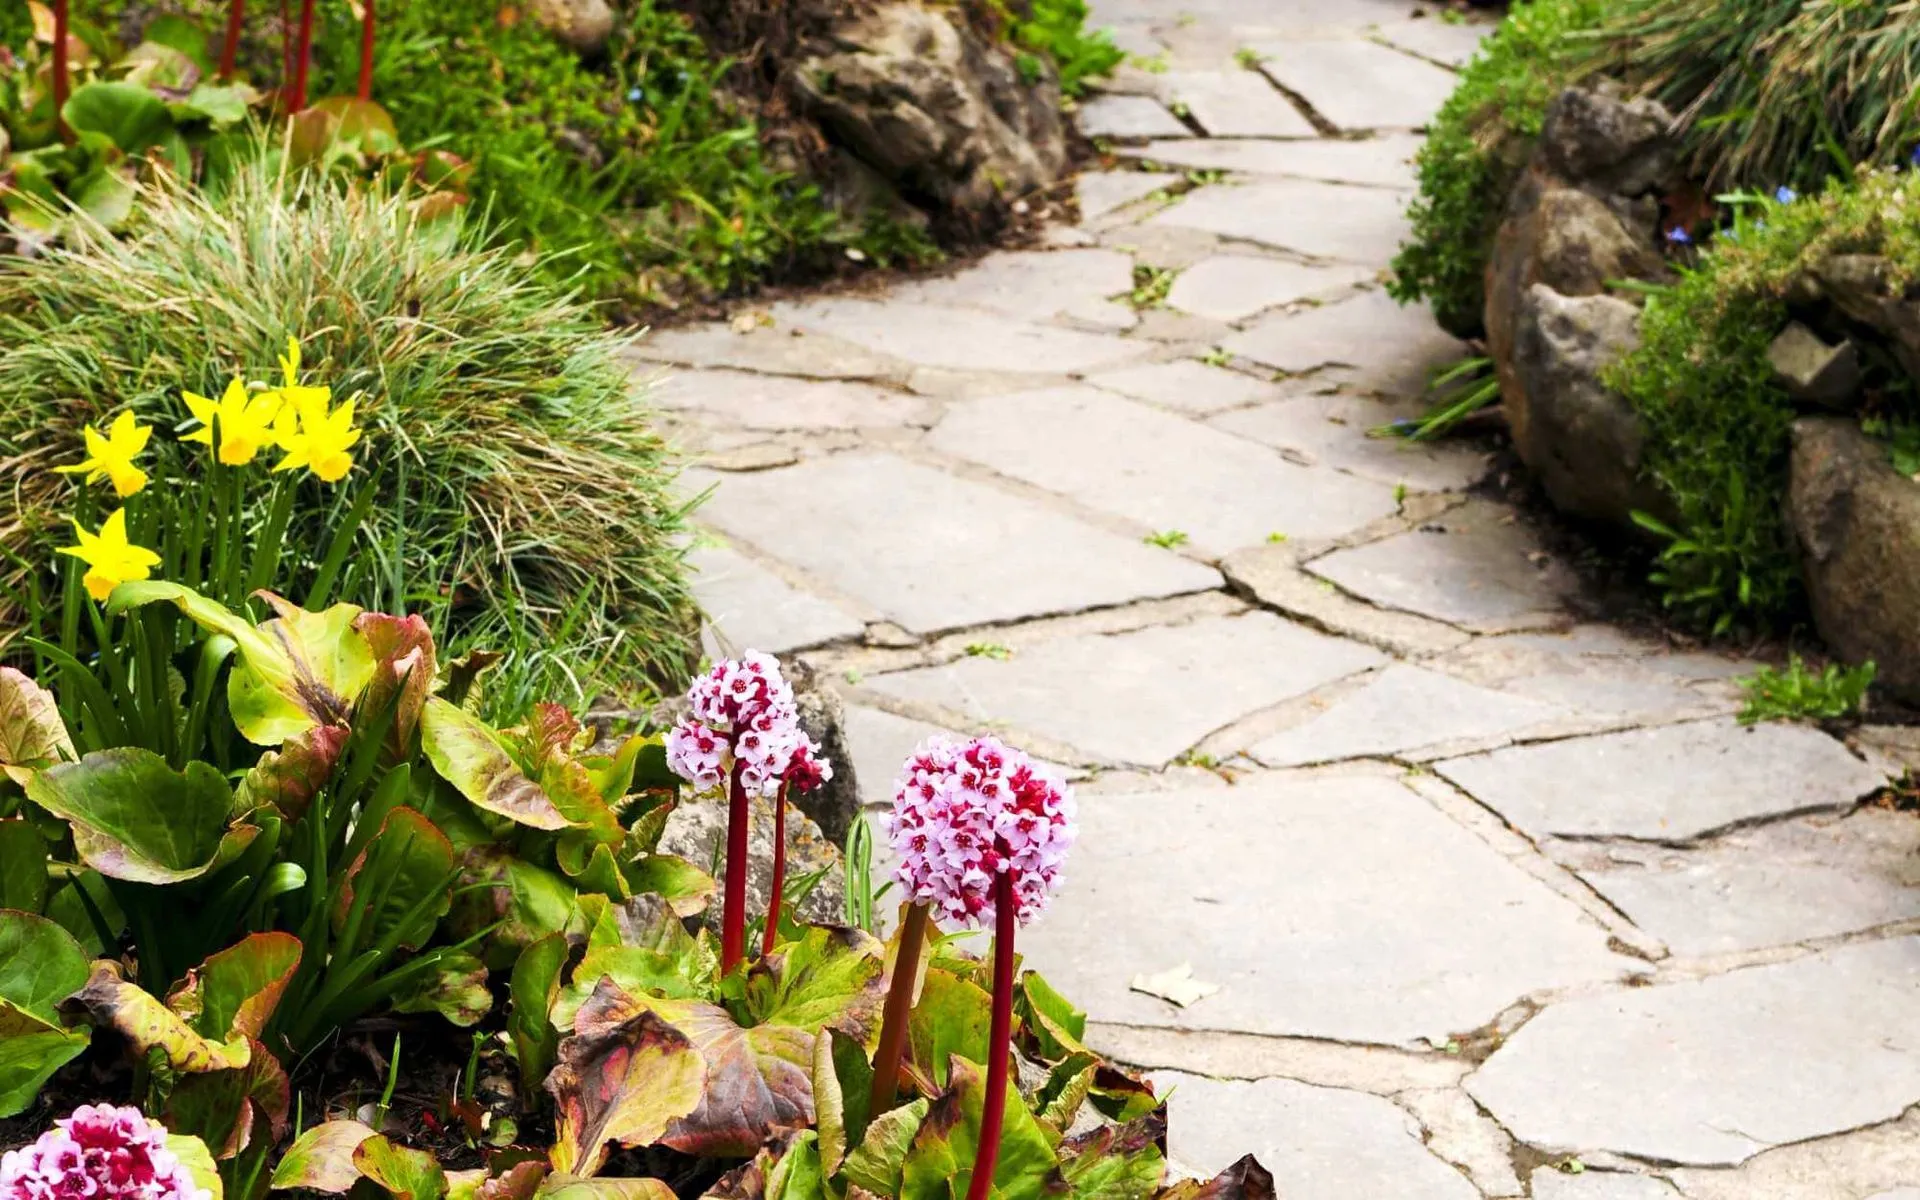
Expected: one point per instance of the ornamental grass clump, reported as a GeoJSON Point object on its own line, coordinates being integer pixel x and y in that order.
{"type": "Point", "coordinates": [520, 498]}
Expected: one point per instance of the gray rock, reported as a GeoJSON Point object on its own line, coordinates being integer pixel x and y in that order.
{"type": "Point", "coordinates": [1670, 784]}
{"type": "Point", "coordinates": [1232, 287]}
{"type": "Point", "coordinates": [1398, 711]}
{"type": "Point", "coordinates": [1579, 436]}
{"type": "Point", "coordinates": [1592, 137]}
{"type": "Point", "coordinates": [1324, 220]}
{"type": "Point", "coordinates": [1236, 104]}
{"type": "Point", "coordinates": [961, 554]}
{"type": "Point", "coordinates": [1157, 469]}
{"type": "Point", "coordinates": [1713, 1071]}
{"type": "Point", "coordinates": [1159, 691]}
{"type": "Point", "coordinates": [1813, 371]}
{"type": "Point", "coordinates": [1857, 522]}
{"type": "Point", "coordinates": [751, 608]}
{"type": "Point", "coordinates": [1861, 286]}
{"type": "Point", "coordinates": [1385, 161]}
{"type": "Point", "coordinates": [585, 25]}
{"type": "Point", "coordinates": [697, 831]}
{"type": "Point", "coordinates": [1357, 84]}
{"type": "Point", "coordinates": [1129, 118]}
{"type": "Point", "coordinates": [1320, 1143]}
{"type": "Point", "coordinates": [823, 717]}
{"type": "Point", "coordinates": [934, 107]}
{"type": "Point", "coordinates": [1550, 1184]}
{"type": "Point", "coordinates": [1342, 907]}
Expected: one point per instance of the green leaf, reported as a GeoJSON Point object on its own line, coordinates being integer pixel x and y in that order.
{"type": "Point", "coordinates": [798, 1174]}
{"type": "Point", "coordinates": [686, 887]}
{"type": "Point", "coordinates": [194, 1156]}
{"type": "Point", "coordinates": [876, 1162]}
{"type": "Point", "coordinates": [407, 861]}
{"type": "Point", "coordinates": [106, 194]}
{"type": "Point", "coordinates": [136, 818]}
{"type": "Point", "coordinates": [405, 1173]}
{"type": "Point", "coordinates": [624, 1077]}
{"type": "Point", "coordinates": [341, 123]}
{"type": "Point", "coordinates": [289, 778]}
{"type": "Point", "coordinates": [147, 1024]}
{"type": "Point", "coordinates": [469, 754]}
{"type": "Point", "coordinates": [1115, 1162]}
{"type": "Point", "coordinates": [456, 989]}
{"type": "Point", "coordinates": [522, 902]}
{"type": "Point", "coordinates": [236, 990]}
{"type": "Point", "coordinates": [532, 991]}
{"type": "Point", "coordinates": [32, 1048]}
{"type": "Point", "coordinates": [24, 885]}
{"type": "Point", "coordinates": [219, 104]}
{"type": "Point", "coordinates": [567, 1187]}
{"type": "Point", "coordinates": [948, 1141]}
{"type": "Point", "coordinates": [32, 734]}
{"type": "Point", "coordinates": [842, 1090]}
{"type": "Point", "coordinates": [128, 114]}
{"type": "Point", "coordinates": [321, 1159]}
{"type": "Point", "coordinates": [404, 665]}
{"type": "Point", "coordinates": [40, 964]}
{"type": "Point", "coordinates": [951, 1017]}
{"type": "Point", "coordinates": [230, 1110]}
{"type": "Point", "coordinates": [1060, 1098]}
{"type": "Point", "coordinates": [1053, 1025]}
{"type": "Point", "coordinates": [644, 948]}
{"type": "Point", "coordinates": [829, 978]}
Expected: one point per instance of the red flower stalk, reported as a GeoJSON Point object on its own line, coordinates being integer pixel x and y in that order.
{"type": "Point", "coordinates": [230, 49]}
{"type": "Point", "coordinates": [999, 1037]}
{"type": "Point", "coordinates": [808, 773]}
{"type": "Point", "coordinates": [733, 916]}
{"type": "Point", "coordinates": [302, 56]}
{"type": "Point", "coordinates": [366, 51]}
{"type": "Point", "coordinates": [62, 83]}
{"type": "Point", "coordinates": [893, 1021]}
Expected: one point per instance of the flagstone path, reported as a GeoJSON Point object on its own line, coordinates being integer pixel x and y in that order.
{"type": "Point", "coordinates": [1488, 891]}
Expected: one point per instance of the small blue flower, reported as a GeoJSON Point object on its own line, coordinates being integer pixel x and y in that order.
{"type": "Point", "coordinates": [1915, 159]}
{"type": "Point", "coordinates": [1730, 235]}
{"type": "Point", "coordinates": [1785, 195]}
{"type": "Point", "coordinates": [1679, 236]}
{"type": "Point", "coordinates": [635, 95]}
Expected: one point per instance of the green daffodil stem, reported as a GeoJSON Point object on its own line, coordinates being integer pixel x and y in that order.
{"type": "Point", "coordinates": [366, 50]}
{"type": "Point", "coordinates": [893, 1021]}
{"type": "Point", "coordinates": [733, 916]}
{"type": "Point", "coordinates": [230, 49]}
{"type": "Point", "coordinates": [999, 1038]}
{"type": "Point", "coordinates": [779, 872]}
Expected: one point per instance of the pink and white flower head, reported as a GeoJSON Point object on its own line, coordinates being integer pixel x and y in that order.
{"type": "Point", "coordinates": [741, 712]}
{"type": "Point", "coordinates": [808, 771]}
{"type": "Point", "coordinates": [964, 812]}
{"type": "Point", "coordinates": [98, 1153]}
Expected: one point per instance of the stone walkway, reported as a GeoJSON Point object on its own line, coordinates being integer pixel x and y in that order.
{"type": "Point", "coordinates": [1497, 903]}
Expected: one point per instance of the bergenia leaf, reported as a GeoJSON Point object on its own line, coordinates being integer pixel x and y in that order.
{"type": "Point", "coordinates": [289, 778]}
{"type": "Point", "coordinates": [40, 966]}
{"type": "Point", "coordinates": [686, 887]}
{"type": "Point", "coordinates": [1114, 1162]}
{"type": "Point", "coordinates": [136, 818]}
{"type": "Point", "coordinates": [623, 1078]}
{"type": "Point", "coordinates": [842, 1091]}
{"type": "Point", "coordinates": [404, 665]}
{"type": "Point", "coordinates": [148, 1024]}
{"type": "Point", "coordinates": [951, 1017]}
{"type": "Point", "coordinates": [468, 754]}
{"type": "Point", "coordinates": [1059, 1100]}
{"type": "Point", "coordinates": [321, 1159]}
{"type": "Point", "coordinates": [32, 1048]}
{"type": "Point", "coordinates": [235, 992]}
{"type": "Point", "coordinates": [230, 1110]}
{"type": "Point", "coordinates": [1053, 1026]}
{"type": "Point", "coordinates": [1244, 1180]}
{"type": "Point", "coordinates": [758, 1080]}
{"type": "Point", "coordinates": [24, 882]}
{"type": "Point", "coordinates": [406, 1174]}
{"type": "Point", "coordinates": [875, 1164]}
{"type": "Point", "coordinates": [948, 1142]}
{"type": "Point", "coordinates": [406, 862]}
{"type": "Point", "coordinates": [520, 901]}
{"type": "Point", "coordinates": [32, 735]}
{"type": "Point", "coordinates": [798, 1174]}
{"type": "Point", "coordinates": [829, 978]}
{"type": "Point", "coordinates": [534, 987]}
{"type": "Point", "coordinates": [567, 1187]}
{"type": "Point", "coordinates": [193, 1154]}
{"type": "Point", "coordinates": [456, 989]}
{"type": "Point", "coordinates": [642, 946]}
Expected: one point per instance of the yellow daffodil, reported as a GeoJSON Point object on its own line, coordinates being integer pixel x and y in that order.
{"type": "Point", "coordinates": [111, 457]}
{"type": "Point", "coordinates": [317, 439]}
{"type": "Point", "coordinates": [246, 422]}
{"type": "Point", "coordinates": [292, 391]}
{"type": "Point", "coordinates": [111, 559]}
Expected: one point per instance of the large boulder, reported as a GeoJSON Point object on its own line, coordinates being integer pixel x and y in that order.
{"type": "Point", "coordinates": [1594, 138]}
{"type": "Point", "coordinates": [938, 110]}
{"type": "Point", "coordinates": [584, 25]}
{"type": "Point", "coordinates": [1581, 438]}
{"type": "Point", "coordinates": [1861, 287]}
{"type": "Point", "coordinates": [1857, 522]}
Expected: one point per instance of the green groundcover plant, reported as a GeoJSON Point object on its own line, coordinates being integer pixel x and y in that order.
{"type": "Point", "coordinates": [238, 831]}
{"type": "Point", "coordinates": [518, 498]}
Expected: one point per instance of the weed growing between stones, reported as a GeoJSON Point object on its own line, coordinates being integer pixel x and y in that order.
{"type": "Point", "coordinates": [1800, 694]}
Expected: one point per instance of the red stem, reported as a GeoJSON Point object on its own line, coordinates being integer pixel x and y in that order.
{"type": "Point", "coordinates": [230, 49]}
{"type": "Point", "coordinates": [733, 917]}
{"type": "Point", "coordinates": [999, 1038]}
{"type": "Point", "coordinates": [893, 1021]}
{"type": "Point", "coordinates": [366, 51]}
{"type": "Point", "coordinates": [779, 872]}
{"type": "Point", "coordinates": [61, 81]}
{"type": "Point", "coordinates": [302, 55]}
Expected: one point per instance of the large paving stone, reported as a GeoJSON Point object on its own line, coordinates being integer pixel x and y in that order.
{"type": "Point", "coordinates": [1100, 192]}
{"type": "Point", "coordinates": [881, 742]}
{"type": "Point", "coordinates": [1551, 1184]}
{"type": "Point", "coordinates": [1137, 698]}
{"type": "Point", "coordinates": [1713, 1071]}
{"type": "Point", "coordinates": [1875, 1163]}
{"type": "Point", "coordinates": [1332, 430]}
{"type": "Point", "coordinates": [1381, 346]}
{"type": "Point", "coordinates": [781, 402]}
{"type": "Point", "coordinates": [771, 351]}
{"type": "Point", "coordinates": [1129, 117]}
{"type": "Point", "coordinates": [754, 609]}
{"type": "Point", "coordinates": [1185, 386]}
{"type": "Point", "coordinates": [1320, 1143]}
{"type": "Point", "coordinates": [1385, 161]}
{"type": "Point", "coordinates": [957, 338]}
{"type": "Point", "coordinates": [1448, 42]}
{"type": "Point", "coordinates": [1233, 287]}
{"type": "Point", "coordinates": [1160, 470]}
{"type": "Point", "coordinates": [1036, 285]}
{"type": "Point", "coordinates": [1772, 885]}
{"type": "Point", "coordinates": [1400, 710]}
{"type": "Point", "coordinates": [1673, 783]}
{"type": "Point", "coordinates": [1323, 220]}
{"type": "Point", "coordinates": [1236, 104]}
{"type": "Point", "coordinates": [1612, 682]}
{"type": "Point", "coordinates": [1472, 567]}
{"type": "Point", "coordinates": [1358, 84]}
{"type": "Point", "coordinates": [934, 552]}
{"type": "Point", "coordinates": [1341, 907]}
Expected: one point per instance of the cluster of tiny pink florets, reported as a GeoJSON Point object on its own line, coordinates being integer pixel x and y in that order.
{"type": "Point", "coordinates": [963, 813]}
{"type": "Point", "coordinates": [99, 1153]}
{"type": "Point", "coordinates": [742, 712]}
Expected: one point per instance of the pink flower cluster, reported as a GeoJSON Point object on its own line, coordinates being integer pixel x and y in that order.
{"type": "Point", "coordinates": [963, 813]}
{"type": "Point", "coordinates": [98, 1153]}
{"type": "Point", "coordinates": [742, 712]}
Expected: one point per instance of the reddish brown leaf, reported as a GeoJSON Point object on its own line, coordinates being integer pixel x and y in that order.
{"type": "Point", "coordinates": [404, 666]}
{"type": "Point", "coordinates": [624, 1077]}
{"type": "Point", "coordinates": [290, 777]}
{"type": "Point", "coordinates": [1244, 1180]}
{"type": "Point", "coordinates": [147, 1024]}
